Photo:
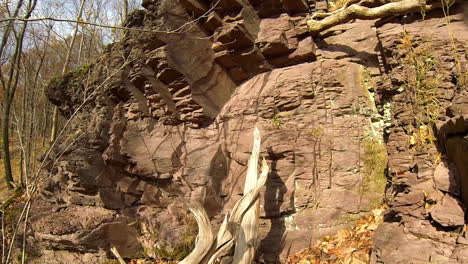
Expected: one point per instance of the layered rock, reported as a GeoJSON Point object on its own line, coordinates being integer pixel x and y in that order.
{"type": "Point", "coordinates": [164, 126]}
{"type": "Point", "coordinates": [425, 197]}
{"type": "Point", "coordinates": [166, 116]}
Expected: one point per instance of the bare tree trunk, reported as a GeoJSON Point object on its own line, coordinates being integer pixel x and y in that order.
{"type": "Point", "coordinates": [65, 69]}
{"type": "Point", "coordinates": [10, 89]}
{"type": "Point", "coordinates": [21, 130]}
{"type": "Point", "coordinates": [125, 11]}
{"type": "Point", "coordinates": [6, 146]}
{"type": "Point", "coordinates": [80, 49]}
{"type": "Point", "coordinates": [5, 38]}
{"type": "Point", "coordinates": [45, 125]}
{"type": "Point", "coordinates": [29, 122]}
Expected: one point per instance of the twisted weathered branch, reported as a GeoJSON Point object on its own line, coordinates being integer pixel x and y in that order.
{"type": "Point", "coordinates": [356, 11]}
{"type": "Point", "coordinates": [243, 218]}
{"type": "Point", "coordinates": [205, 236]}
{"type": "Point", "coordinates": [228, 234]}
{"type": "Point", "coordinates": [246, 238]}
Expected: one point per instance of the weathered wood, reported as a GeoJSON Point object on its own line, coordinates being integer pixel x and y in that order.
{"type": "Point", "coordinates": [356, 11]}
{"type": "Point", "coordinates": [117, 255]}
{"type": "Point", "coordinates": [205, 236]}
{"type": "Point", "coordinates": [246, 201]}
{"type": "Point", "coordinates": [245, 250]}
{"type": "Point", "coordinates": [224, 242]}
{"type": "Point", "coordinates": [239, 227]}
{"type": "Point", "coordinates": [229, 233]}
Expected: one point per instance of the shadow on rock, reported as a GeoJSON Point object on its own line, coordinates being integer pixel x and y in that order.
{"type": "Point", "coordinates": [272, 245]}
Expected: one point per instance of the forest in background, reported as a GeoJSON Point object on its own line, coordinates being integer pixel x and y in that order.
{"type": "Point", "coordinates": [41, 40]}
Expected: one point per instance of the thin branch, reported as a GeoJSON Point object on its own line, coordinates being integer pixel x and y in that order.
{"type": "Point", "coordinates": [23, 251]}
{"type": "Point", "coordinates": [175, 31]}
{"type": "Point", "coordinates": [34, 183]}
{"type": "Point", "coordinates": [117, 255]}
{"type": "Point", "coordinates": [3, 235]}
{"type": "Point", "coordinates": [53, 133]}
{"type": "Point", "coordinates": [38, 19]}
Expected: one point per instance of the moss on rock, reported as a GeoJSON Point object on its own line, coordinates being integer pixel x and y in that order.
{"type": "Point", "coordinates": [374, 160]}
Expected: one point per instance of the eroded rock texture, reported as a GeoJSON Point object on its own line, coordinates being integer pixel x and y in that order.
{"type": "Point", "coordinates": [426, 207]}
{"type": "Point", "coordinates": [170, 118]}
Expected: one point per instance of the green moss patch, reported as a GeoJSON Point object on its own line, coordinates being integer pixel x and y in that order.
{"type": "Point", "coordinates": [374, 160]}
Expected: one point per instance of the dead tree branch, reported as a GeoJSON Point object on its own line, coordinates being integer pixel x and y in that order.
{"type": "Point", "coordinates": [356, 11]}
{"type": "Point", "coordinates": [242, 219]}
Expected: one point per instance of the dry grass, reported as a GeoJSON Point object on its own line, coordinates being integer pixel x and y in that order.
{"type": "Point", "coordinates": [422, 81]}
{"type": "Point", "coordinates": [374, 160]}
{"type": "Point", "coordinates": [15, 167]}
{"type": "Point", "coordinates": [15, 152]}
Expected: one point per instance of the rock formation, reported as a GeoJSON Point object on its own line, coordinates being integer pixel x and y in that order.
{"type": "Point", "coordinates": [166, 116]}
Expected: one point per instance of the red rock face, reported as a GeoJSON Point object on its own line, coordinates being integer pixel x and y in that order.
{"type": "Point", "coordinates": [171, 120]}
{"type": "Point", "coordinates": [429, 182]}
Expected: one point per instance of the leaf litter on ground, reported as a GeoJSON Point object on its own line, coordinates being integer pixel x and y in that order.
{"type": "Point", "coordinates": [348, 246]}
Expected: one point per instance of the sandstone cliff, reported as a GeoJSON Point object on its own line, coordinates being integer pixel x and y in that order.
{"type": "Point", "coordinates": [349, 121]}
